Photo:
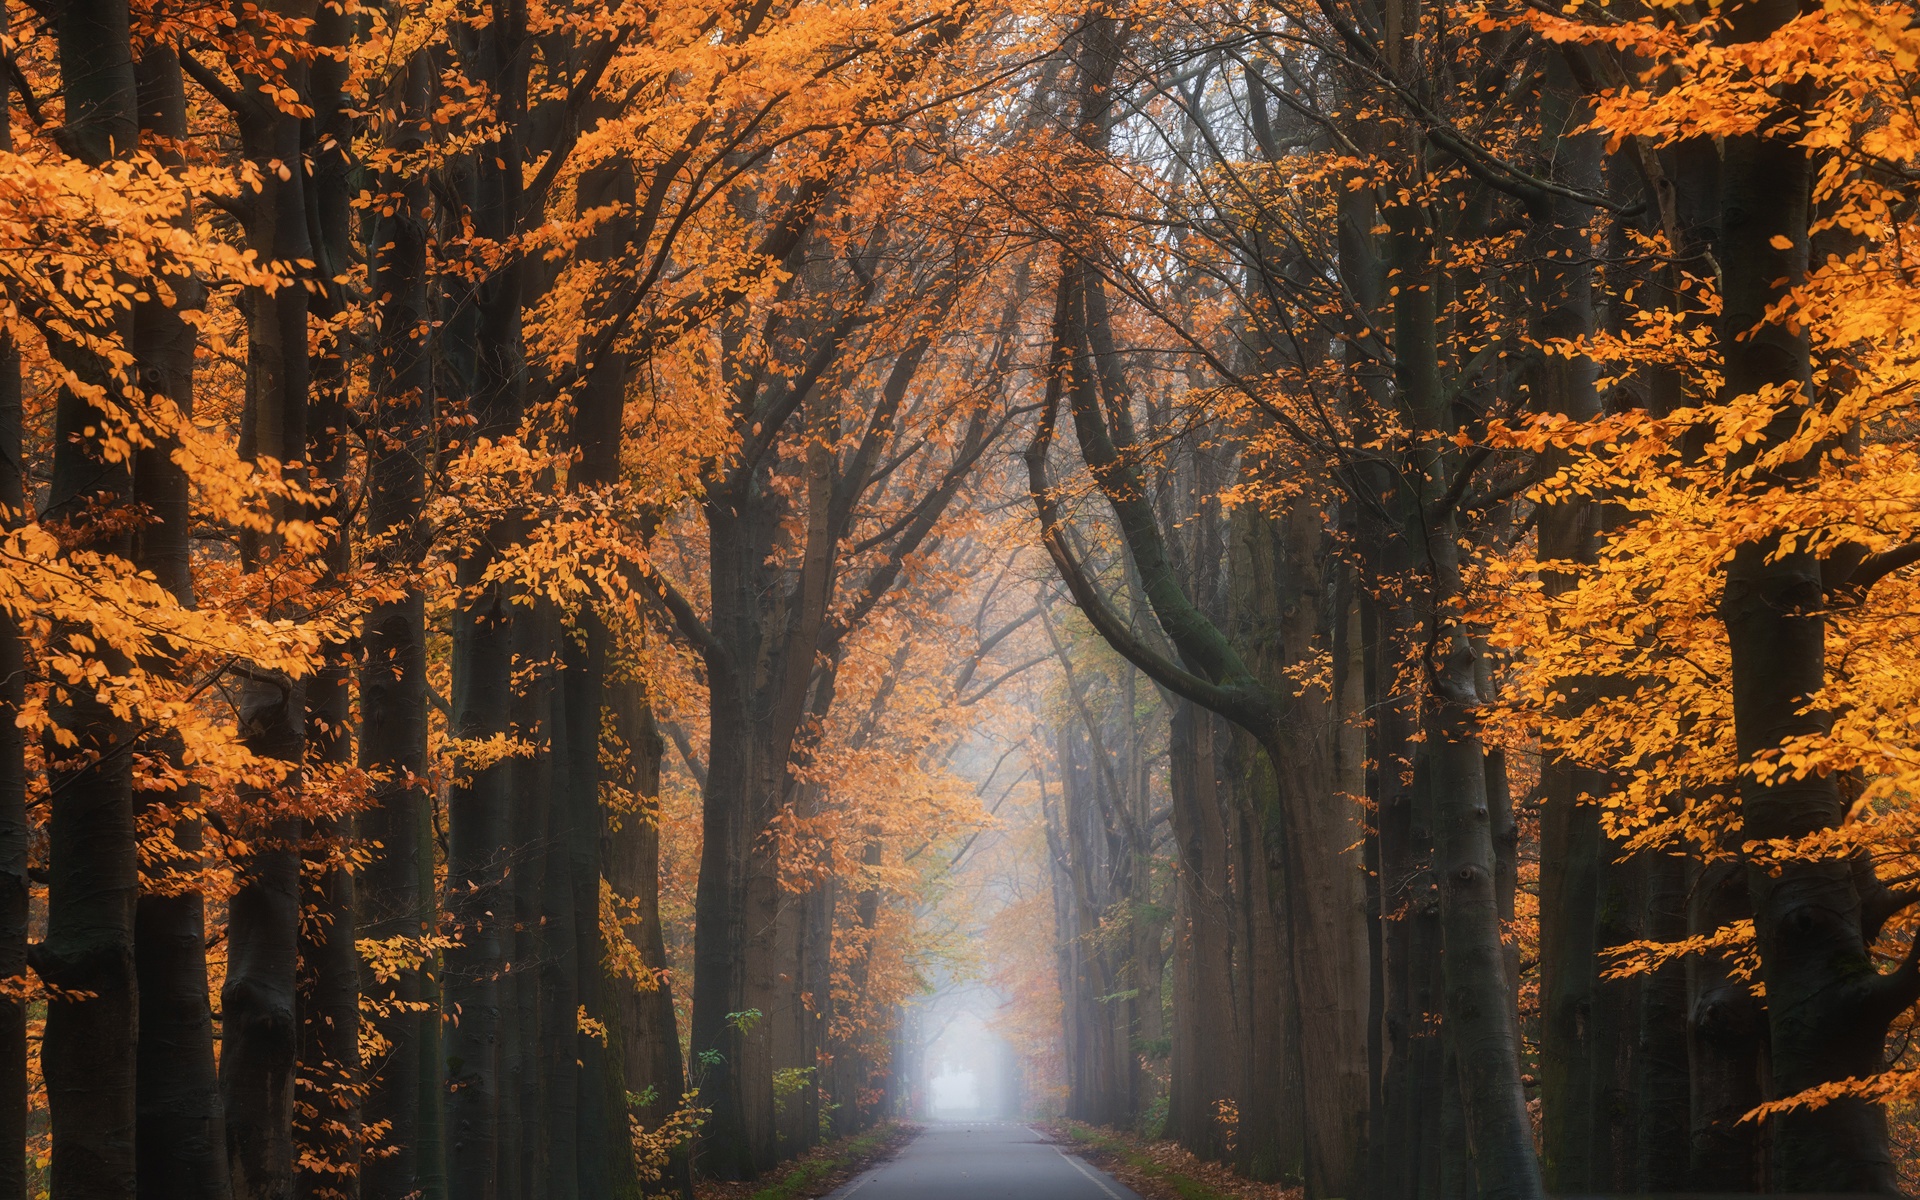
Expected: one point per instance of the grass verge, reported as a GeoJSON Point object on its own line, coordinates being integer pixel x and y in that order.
{"type": "Point", "coordinates": [1160, 1169]}
{"type": "Point", "coordinates": [821, 1170]}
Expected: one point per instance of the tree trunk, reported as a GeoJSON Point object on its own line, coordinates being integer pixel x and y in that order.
{"type": "Point", "coordinates": [259, 1030]}
{"type": "Point", "coordinates": [1573, 1075]}
{"type": "Point", "coordinates": [1268, 1126]}
{"type": "Point", "coordinates": [88, 1051]}
{"type": "Point", "coordinates": [525, 1081]}
{"type": "Point", "coordinates": [1327, 880]}
{"type": "Point", "coordinates": [15, 834]}
{"type": "Point", "coordinates": [1616, 1021]}
{"type": "Point", "coordinates": [1726, 1045]}
{"type": "Point", "coordinates": [1827, 1009]}
{"type": "Point", "coordinates": [1569, 869]}
{"type": "Point", "coordinates": [477, 807]}
{"type": "Point", "coordinates": [327, 1128]}
{"type": "Point", "coordinates": [655, 1078]}
{"type": "Point", "coordinates": [584, 651]}
{"type": "Point", "coordinates": [431, 1082]}
{"type": "Point", "coordinates": [180, 1140]}
{"type": "Point", "coordinates": [559, 962]}
{"type": "Point", "coordinates": [1208, 1043]}
{"type": "Point", "coordinates": [1477, 1013]}
{"type": "Point", "coordinates": [1404, 909]}
{"type": "Point", "coordinates": [720, 937]}
{"type": "Point", "coordinates": [1661, 1079]}
{"type": "Point", "coordinates": [487, 367]}
{"type": "Point", "coordinates": [393, 729]}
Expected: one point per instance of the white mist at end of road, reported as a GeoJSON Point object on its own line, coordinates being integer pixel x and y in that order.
{"type": "Point", "coordinates": [965, 1070]}
{"type": "Point", "coordinates": [954, 1093]}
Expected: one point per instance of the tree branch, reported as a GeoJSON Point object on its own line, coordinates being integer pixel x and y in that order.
{"type": "Point", "coordinates": [214, 86]}
{"type": "Point", "coordinates": [1086, 596]}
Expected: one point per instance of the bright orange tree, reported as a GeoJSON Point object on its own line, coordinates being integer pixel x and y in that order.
{"type": "Point", "coordinates": [1742, 645]}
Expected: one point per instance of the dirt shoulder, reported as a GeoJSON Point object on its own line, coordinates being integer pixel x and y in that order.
{"type": "Point", "coordinates": [1159, 1170]}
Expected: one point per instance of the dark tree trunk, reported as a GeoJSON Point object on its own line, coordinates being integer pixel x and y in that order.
{"type": "Point", "coordinates": [1405, 910]}
{"type": "Point", "coordinates": [1575, 1064]}
{"type": "Point", "coordinates": [393, 720]}
{"type": "Point", "coordinates": [559, 963]}
{"type": "Point", "coordinates": [16, 835]}
{"type": "Point", "coordinates": [1827, 1009]}
{"type": "Point", "coordinates": [605, 1152]}
{"type": "Point", "coordinates": [1726, 1045]}
{"type": "Point", "coordinates": [1616, 1027]}
{"type": "Point", "coordinates": [583, 680]}
{"type": "Point", "coordinates": [180, 1140]}
{"type": "Point", "coordinates": [1569, 866]}
{"type": "Point", "coordinates": [327, 1128]}
{"type": "Point", "coordinates": [486, 355]}
{"type": "Point", "coordinates": [1322, 839]}
{"type": "Point", "coordinates": [432, 1079]}
{"type": "Point", "coordinates": [1476, 1012]}
{"type": "Point", "coordinates": [738, 884]}
{"type": "Point", "coordinates": [650, 1039]}
{"type": "Point", "coordinates": [1267, 1128]}
{"type": "Point", "coordinates": [1208, 1040]}
{"type": "Point", "coordinates": [88, 1051]}
{"type": "Point", "coordinates": [1661, 1078]}
{"type": "Point", "coordinates": [524, 1081]}
{"type": "Point", "coordinates": [719, 933]}
{"type": "Point", "coordinates": [259, 1030]}
{"type": "Point", "coordinates": [479, 903]}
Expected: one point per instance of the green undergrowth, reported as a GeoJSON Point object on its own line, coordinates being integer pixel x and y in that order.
{"type": "Point", "coordinates": [1099, 1141]}
{"type": "Point", "coordinates": [844, 1156]}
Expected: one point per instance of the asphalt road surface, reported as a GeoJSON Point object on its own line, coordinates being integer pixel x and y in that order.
{"type": "Point", "coordinates": [982, 1160]}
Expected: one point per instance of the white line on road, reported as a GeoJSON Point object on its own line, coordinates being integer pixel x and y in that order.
{"type": "Point", "coordinates": [1081, 1167]}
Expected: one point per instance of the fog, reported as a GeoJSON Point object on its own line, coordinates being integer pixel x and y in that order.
{"type": "Point", "coordinates": [968, 1073]}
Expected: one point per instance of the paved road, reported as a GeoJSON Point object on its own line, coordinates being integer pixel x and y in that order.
{"type": "Point", "coordinates": [982, 1160]}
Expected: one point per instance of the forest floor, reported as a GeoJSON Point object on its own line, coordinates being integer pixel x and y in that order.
{"type": "Point", "coordinates": [820, 1170]}
{"type": "Point", "coordinates": [1159, 1170]}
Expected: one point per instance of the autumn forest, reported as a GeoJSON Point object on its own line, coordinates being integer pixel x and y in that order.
{"type": "Point", "coordinates": [591, 591]}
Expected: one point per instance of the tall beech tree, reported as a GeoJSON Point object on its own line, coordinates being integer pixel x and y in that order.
{"type": "Point", "coordinates": [393, 719]}
{"type": "Point", "coordinates": [89, 1045]}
